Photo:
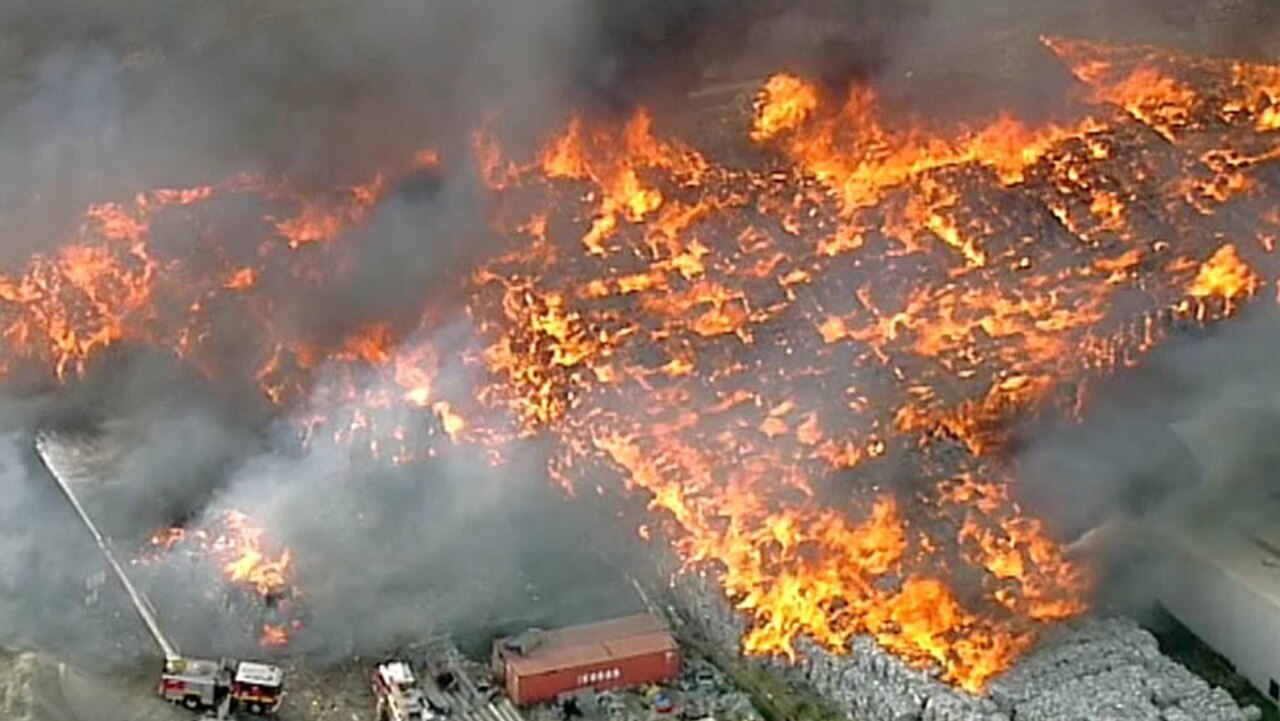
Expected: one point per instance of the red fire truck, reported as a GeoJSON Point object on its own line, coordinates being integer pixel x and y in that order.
{"type": "Point", "coordinates": [201, 684]}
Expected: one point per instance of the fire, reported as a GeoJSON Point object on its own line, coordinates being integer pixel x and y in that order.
{"type": "Point", "coordinates": [583, 155]}
{"type": "Point", "coordinates": [810, 371]}
{"type": "Point", "coordinates": [859, 154]}
{"type": "Point", "coordinates": [109, 286]}
{"type": "Point", "coordinates": [784, 104]}
{"type": "Point", "coordinates": [320, 221]}
{"type": "Point", "coordinates": [966, 276]}
{"type": "Point", "coordinates": [1224, 275]}
{"type": "Point", "coordinates": [241, 279]}
{"type": "Point", "coordinates": [273, 636]}
{"type": "Point", "coordinates": [241, 542]}
{"type": "Point", "coordinates": [242, 554]}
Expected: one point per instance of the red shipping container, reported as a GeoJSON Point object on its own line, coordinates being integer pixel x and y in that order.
{"type": "Point", "coordinates": [601, 656]}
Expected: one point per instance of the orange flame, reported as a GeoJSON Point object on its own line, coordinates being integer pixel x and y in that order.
{"type": "Point", "coordinates": [239, 549]}
{"type": "Point", "coordinates": [274, 636]}
{"type": "Point", "coordinates": [810, 371]}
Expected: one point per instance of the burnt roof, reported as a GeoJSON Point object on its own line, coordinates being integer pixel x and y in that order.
{"type": "Point", "coordinates": [593, 643]}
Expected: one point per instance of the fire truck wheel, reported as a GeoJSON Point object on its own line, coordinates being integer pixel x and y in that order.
{"type": "Point", "coordinates": [192, 703]}
{"type": "Point", "coordinates": [256, 709]}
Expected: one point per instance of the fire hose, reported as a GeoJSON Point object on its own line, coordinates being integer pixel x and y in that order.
{"type": "Point", "coordinates": [140, 602]}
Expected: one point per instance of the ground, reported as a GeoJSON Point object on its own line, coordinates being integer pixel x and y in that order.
{"type": "Point", "coordinates": [37, 688]}
{"type": "Point", "coordinates": [1184, 647]}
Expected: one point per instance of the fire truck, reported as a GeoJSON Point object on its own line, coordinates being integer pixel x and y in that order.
{"type": "Point", "coordinates": [195, 683]}
{"type": "Point", "coordinates": [200, 684]}
{"type": "Point", "coordinates": [398, 694]}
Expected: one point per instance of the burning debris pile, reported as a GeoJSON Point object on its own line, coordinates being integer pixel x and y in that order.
{"type": "Point", "coordinates": [1083, 669]}
{"type": "Point", "coordinates": [811, 368]}
{"type": "Point", "coordinates": [890, 290]}
{"type": "Point", "coordinates": [254, 576]}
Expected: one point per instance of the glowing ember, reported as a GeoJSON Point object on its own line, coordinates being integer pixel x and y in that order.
{"type": "Point", "coordinates": [1224, 275]}
{"type": "Point", "coordinates": [273, 636]}
{"type": "Point", "coordinates": [785, 103]}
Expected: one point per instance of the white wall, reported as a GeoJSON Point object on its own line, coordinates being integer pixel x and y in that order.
{"type": "Point", "coordinates": [1218, 606]}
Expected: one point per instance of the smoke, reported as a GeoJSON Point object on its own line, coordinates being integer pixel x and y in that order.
{"type": "Point", "coordinates": [33, 556]}
{"type": "Point", "coordinates": [1189, 437]}
{"type": "Point", "coordinates": [389, 555]}
{"type": "Point", "coordinates": [104, 104]}
{"type": "Point", "coordinates": [983, 57]}
{"type": "Point", "coordinates": [101, 99]}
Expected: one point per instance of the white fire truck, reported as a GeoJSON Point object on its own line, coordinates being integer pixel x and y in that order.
{"type": "Point", "coordinates": [398, 694]}
{"type": "Point", "coordinates": [199, 684]}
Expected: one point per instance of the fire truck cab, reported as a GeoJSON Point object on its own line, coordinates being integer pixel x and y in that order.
{"type": "Point", "coordinates": [257, 687]}
{"type": "Point", "coordinates": [398, 694]}
{"type": "Point", "coordinates": [201, 684]}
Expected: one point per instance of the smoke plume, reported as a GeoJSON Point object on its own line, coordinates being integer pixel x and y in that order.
{"type": "Point", "coordinates": [101, 99]}
{"type": "Point", "coordinates": [1186, 442]}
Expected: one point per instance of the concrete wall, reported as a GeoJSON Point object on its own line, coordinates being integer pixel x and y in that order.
{"type": "Point", "coordinates": [1218, 605]}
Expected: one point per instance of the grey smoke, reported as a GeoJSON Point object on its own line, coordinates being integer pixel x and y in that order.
{"type": "Point", "coordinates": [101, 99]}
{"type": "Point", "coordinates": [33, 555]}
{"type": "Point", "coordinates": [1196, 424]}
{"type": "Point", "coordinates": [390, 555]}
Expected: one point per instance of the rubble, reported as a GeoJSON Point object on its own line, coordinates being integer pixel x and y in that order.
{"type": "Point", "coordinates": [869, 682]}
{"type": "Point", "coordinates": [705, 691]}
{"type": "Point", "coordinates": [464, 686]}
{"type": "Point", "coordinates": [16, 672]}
{"type": "Point", "coordinates": [1093, 669]}
{"type": "Point", "coordinates": [1108, 669]}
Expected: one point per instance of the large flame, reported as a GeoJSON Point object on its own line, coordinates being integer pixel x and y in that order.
{"type": "Point", "coordinates": [810, 367]}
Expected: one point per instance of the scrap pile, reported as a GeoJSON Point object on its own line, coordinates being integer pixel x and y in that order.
{"type": "Point", "coordinates": [782, 359]}
{"type": "Point", "coordinates": [1086, 670]}
{"type": "Point", "coordinates": [1109, 669]}
{"type": "Point", "coordinates": [773, 356]}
